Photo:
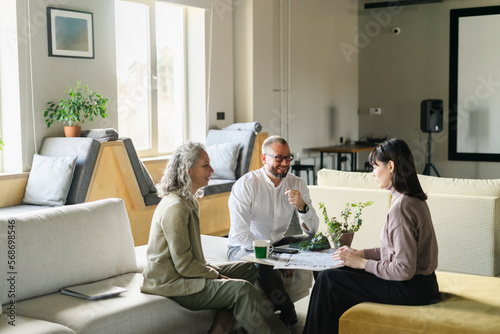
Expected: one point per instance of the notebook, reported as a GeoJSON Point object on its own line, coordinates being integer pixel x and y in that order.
{"type": "Point", "coordinates": [93, 291]}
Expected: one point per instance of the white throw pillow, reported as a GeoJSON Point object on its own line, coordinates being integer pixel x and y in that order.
{"type": "Point", "coordinates": [223, 158]}
{"type": "Point", "coordinates": [49, 180]}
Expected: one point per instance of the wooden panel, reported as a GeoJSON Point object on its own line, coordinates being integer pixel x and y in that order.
{"type": "Point", "coordinates": [113, 177]}
{"type": "Point", "coordinates": [214, 214]}
{"type": "Point", "coordinates": [155, 168]}
{"type": "Point", "coordinates": [12, 188]}
{"type": "Point", "coordinates": [256, 161]}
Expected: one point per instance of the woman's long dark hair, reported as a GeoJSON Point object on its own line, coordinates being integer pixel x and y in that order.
{"type": "Point", "coordinates": [404, 177]}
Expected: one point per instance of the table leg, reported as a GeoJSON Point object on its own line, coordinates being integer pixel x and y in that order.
{"type": "Point", "coordinates": [321, 160]}
{"type": "Point", "coordinates": [339, 161]}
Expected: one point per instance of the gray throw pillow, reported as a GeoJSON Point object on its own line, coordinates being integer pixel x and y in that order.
{"type": "Point", "coordinates": [223, 158]}
{"type": "Point", "coordinates": [49, 180]}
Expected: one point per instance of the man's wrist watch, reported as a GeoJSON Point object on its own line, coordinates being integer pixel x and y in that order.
{"type": "Point", "coordinates": [306, 208]}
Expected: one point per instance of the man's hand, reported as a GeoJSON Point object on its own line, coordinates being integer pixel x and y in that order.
{"type": "Point", "coordinates": [351, 257]}
{"type": "Point", "coordinates": [295, 199]}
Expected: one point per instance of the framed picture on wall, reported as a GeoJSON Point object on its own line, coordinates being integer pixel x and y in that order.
{"type": "Point", "coordinates": [70, 33]}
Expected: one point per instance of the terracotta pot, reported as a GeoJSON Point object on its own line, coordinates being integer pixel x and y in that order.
{"type": "Point", "coordinates": [73, 131]}
{"type": "Point", "coordinates": [345, 240]}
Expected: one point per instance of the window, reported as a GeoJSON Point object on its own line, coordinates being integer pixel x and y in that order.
{"type": "Point", "coordinates": [10, 107]}
{"type": "Point", "coordinates": [158, 49]}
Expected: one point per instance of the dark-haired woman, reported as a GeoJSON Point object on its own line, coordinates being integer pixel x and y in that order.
{"type": "Point", "coordinates": [401, 270]}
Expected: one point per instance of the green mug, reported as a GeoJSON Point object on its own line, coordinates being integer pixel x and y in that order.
{"type": "Point", "coordinates": [262, 248]}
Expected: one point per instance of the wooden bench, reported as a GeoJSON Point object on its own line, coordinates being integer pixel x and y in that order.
{"type": "Point", "coordinates": [114, 177]}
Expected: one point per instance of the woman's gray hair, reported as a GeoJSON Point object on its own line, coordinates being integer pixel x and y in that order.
{"type": "Point", "coordinates": [176, 174]}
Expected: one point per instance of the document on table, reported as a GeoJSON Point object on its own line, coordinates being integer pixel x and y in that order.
{"type": "Point", "coordinates": [302, 260]}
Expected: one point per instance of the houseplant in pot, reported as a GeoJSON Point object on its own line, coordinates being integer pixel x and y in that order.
{"type": "Point", "coordinates": [82, 104]}
{"type": "Point", "coordinates": [342, 232]}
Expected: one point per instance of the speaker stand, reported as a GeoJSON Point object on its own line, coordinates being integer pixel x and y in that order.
{"type": "Point", "coordinates": [429, 165]}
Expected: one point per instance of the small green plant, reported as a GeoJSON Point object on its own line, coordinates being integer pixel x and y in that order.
{"type": "Point", "coordinates": [318, 240]}
{"type": "Point", "coordinates": [1, 144]}
{"type": "Point", "coordinates": [336, 227]}
{"type": "Point", "coordinates": [82, 105]}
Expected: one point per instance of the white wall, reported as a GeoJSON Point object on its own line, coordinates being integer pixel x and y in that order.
{"type": "Point", "coordinates": [397, 72]}
{"type": "Point", "coordinates": [44, 78]}
{"type": "Point", "coordinates": [323, 83]}
{"type": "Point", "coordinates": [221, 72]}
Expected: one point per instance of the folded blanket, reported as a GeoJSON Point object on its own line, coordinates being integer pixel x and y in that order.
{"type": "Point", "coordinates": [250, 126]}
{"type": "Point", "coordinates": [101, 135]}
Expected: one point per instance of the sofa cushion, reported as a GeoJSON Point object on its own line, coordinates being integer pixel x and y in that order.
{"type": "Point", "coordinates": [246, 140]}
{"type": "Point", "coordinates": [471, 305]}
{"type": "Point", "coordinates": [467, 232]}
{"type": "Point", "coordinates": [129, 313]}
{"type": "Point", "coordinates": [24, 325]}
{"type": "Point", "coordinates": [336, 178]}
{"type": "Point", "coordinates": [444, 185]}
{"type": "Point", "coordinates": [86, 150]}
{"type": "Point", "coordinates": [223, 159]}
{"type": "Point", "coordinates": [68, 245]}
{"type": "Point", "coordinates": [49, 180]}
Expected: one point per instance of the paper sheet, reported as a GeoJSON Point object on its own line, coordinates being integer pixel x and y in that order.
{"type": "Point", "coordinates": [302, 260]}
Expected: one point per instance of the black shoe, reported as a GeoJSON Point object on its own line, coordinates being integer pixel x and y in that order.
{"type": "Point", "coordinates": [289, 318]}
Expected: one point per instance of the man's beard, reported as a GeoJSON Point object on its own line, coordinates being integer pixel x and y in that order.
{"type": "Point", "coordinates": [279, 175]}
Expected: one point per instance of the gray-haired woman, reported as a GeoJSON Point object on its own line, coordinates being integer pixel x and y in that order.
{"type": "Point", "coordinates": [176, 266]}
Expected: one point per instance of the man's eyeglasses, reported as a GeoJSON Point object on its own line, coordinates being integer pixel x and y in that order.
{"type": "Point", "coordinates": [280, 158]}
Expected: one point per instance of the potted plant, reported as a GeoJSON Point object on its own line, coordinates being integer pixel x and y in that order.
{"type": "Point", "coordinates": [82, 105]}
{"type": "Point", "coordinates": [342, 232]}
{"type": "Point", "coordinates": [318, 242]}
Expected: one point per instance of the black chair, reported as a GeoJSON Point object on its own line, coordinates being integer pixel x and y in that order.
{"type": "Point", "coordinates": [298, 168]}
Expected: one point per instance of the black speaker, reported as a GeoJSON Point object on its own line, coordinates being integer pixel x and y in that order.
{"type": "Point", "coordinates": [431, 115]}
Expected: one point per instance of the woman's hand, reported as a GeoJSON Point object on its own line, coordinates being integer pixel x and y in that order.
{"type": "Point", "coordinates": [351, 257]}
{"type": "Point", "coordinates": [223, 277]}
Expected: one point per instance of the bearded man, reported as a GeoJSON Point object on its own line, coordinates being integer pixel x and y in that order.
{"type": "Point", "coordinates": [261, 205]}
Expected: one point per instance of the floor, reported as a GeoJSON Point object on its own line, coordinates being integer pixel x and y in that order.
{"type": "Point", "coordinates": [301, 305]}
{"type": "Point", "coordinates": [301, 309]}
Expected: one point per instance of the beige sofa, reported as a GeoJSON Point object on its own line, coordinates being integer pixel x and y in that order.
{"type": "Point", "coordinates": [78, 244]}
{"type": "Point", "coordinates": [46, 250]}
{"type": "Point", "coordinates": [466, 218]}
{"type": "Point", "coordinates": [465, 213]}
